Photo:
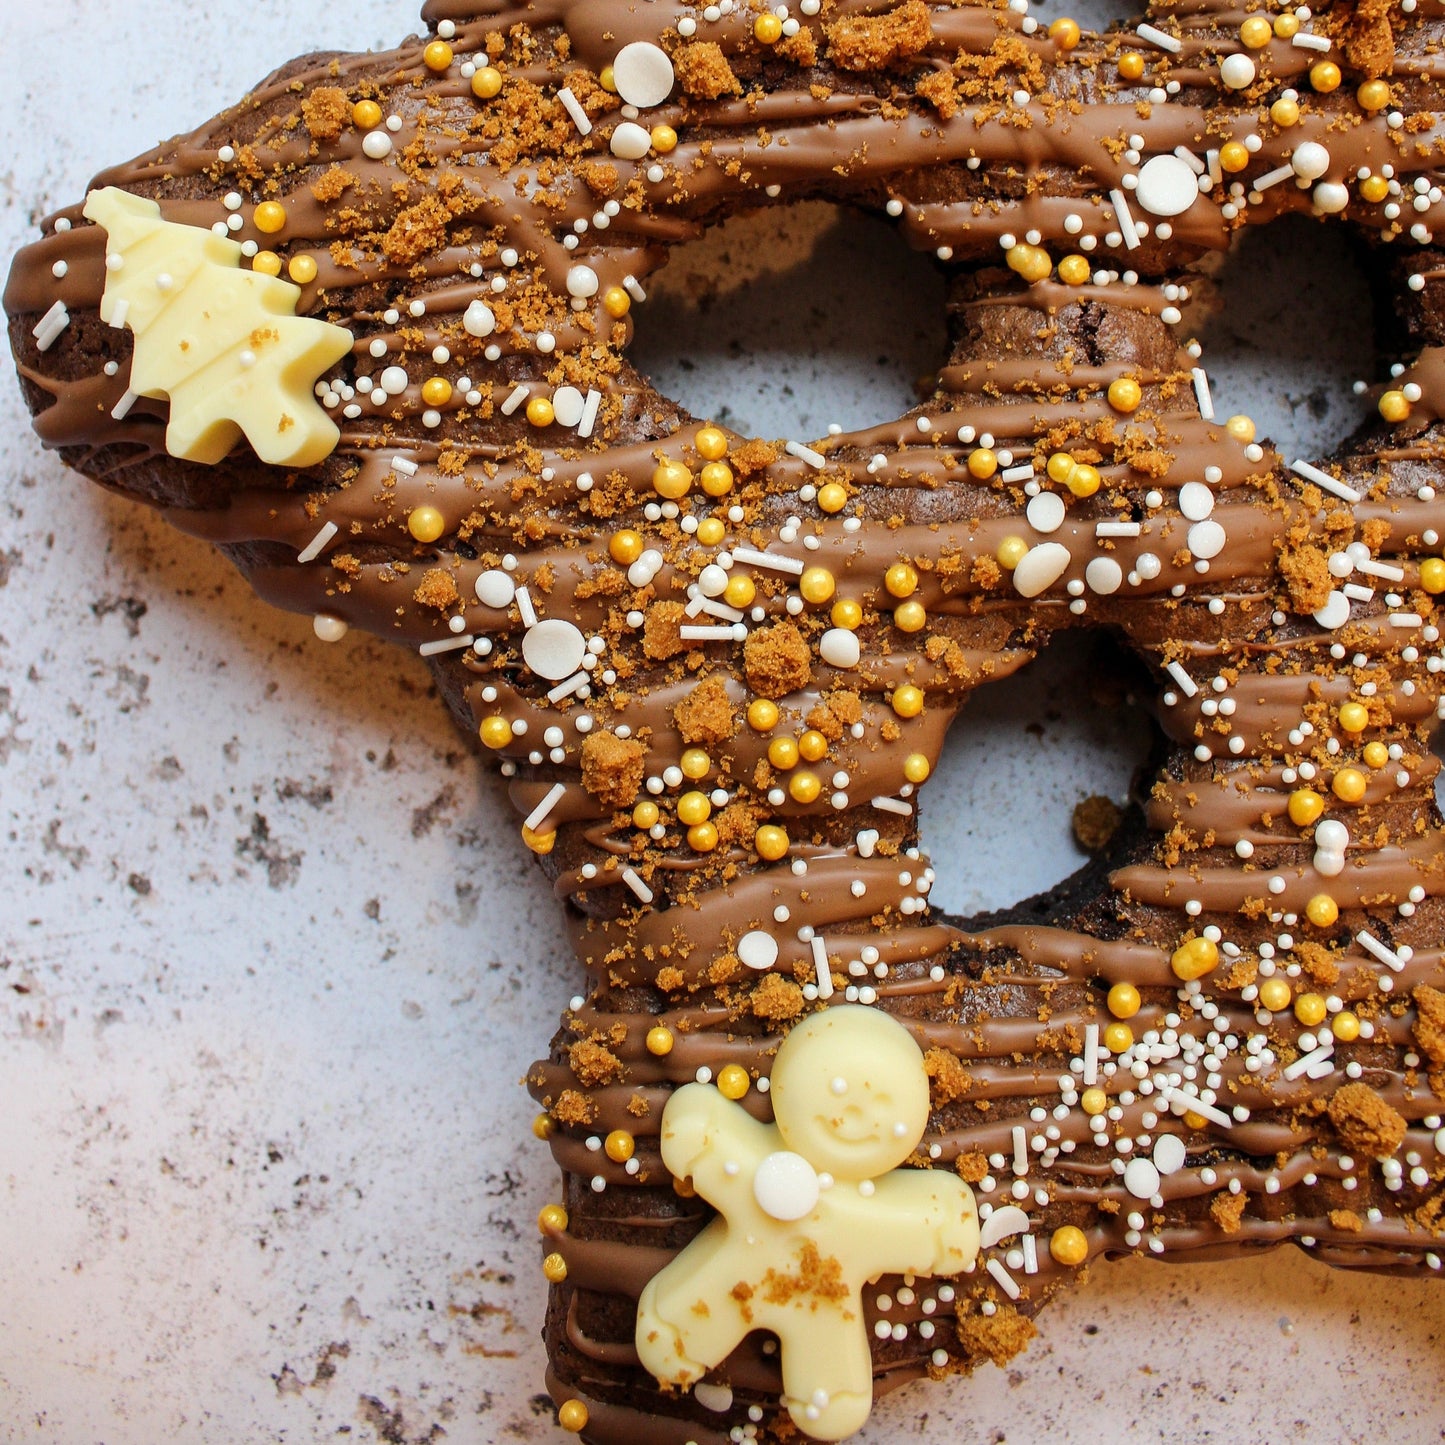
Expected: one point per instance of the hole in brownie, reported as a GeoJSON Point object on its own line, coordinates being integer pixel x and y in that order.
{"type": "Point", "coordinates": [784, 321]}
{"type": "Point", "coordinates": [1287, 326]}
{"type": "Point", "coordinates": [997, 816]}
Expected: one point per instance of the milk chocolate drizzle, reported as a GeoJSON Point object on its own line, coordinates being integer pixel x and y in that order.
{"type": "Point", "coordinates": [496, 201]}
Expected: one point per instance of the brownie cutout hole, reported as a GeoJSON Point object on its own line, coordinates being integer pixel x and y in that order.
{"type": "Point", "coordinates": [1065, 733]}
{"type": "Point", "coordinates": [1286, 323]}
{"type": "Point", "coordinates": [788, 320]}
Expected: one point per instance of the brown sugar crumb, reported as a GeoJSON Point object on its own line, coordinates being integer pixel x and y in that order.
{"type": "Point", "coordinates": [703, 71]}
{"type": "Point", "coordinates": [612, 768]}
{"type": "Point", "coordinates": [939, 89]}
{"type": "Point", "coordinates": [705, 715]}
{"type": "Point", "coordinates": [573, 1108]}
{"type": "Point", "coordinates": [662, 631]}
{"type": "Point", "coordinates": [1306, 574]}
{"type": "Point", "coordinates": [594, 1063]}
{"type": "Point", "coordinates": [1096, 820]}
{"type": "Point", "coordinates": [1369, 42]}
{"type": "Point", "coordinates": [996, 1337]}
{"type": "Point", "coordinates": [670, 977]}
{"type": "Point", "coordinates": [419, 229]}
{"type": "Point", "coordinates": [868, 42]}
{"type": "Point", "coordinates": [324, 112]}
{"type": "Point", "coordinates": [815, 1276]}
{"type": "Point", "coordinates": [332, 184]}
{"type": "Point", "coordinates": [1226, 1210]}
{"type": "Point", "coordinates": [948, 1079]}
{"type": "Point", "coordinates": [1430, 1023]}
{"type": "Point", "coordinates": [1317, 962]}
{"type": "Point", "coordinates": [752, 457]}
{"type": "Point", "coordinates": [437, 588]}
{"type": "Point", "coordinates": [638, 1107]}
{"type": "Point", "coordinates": [1365, 1122]}
{"type": "Point", "coordinates": [777, 998]}
{"type": "Point", "coordinates": [801, 49]}
{"type": "Point", "coordinates": [972, 1167]}
{"type": "Point", "coordinates": [776, 660]}
{"type": "Point", "coordinates": [1346, 1220]}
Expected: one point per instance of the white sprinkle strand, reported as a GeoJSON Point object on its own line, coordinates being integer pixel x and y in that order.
{"type": "Point", "coordinates": [1002, 1278]}
{"type": "Point", "coordinates": [751, 558]}
{"type": "Point", "coordinates": [893, 805]}
{"type": "Point", "coordinates": [1387, 956]}
{"type": "Point", "coordinates": [1380, 569]}
{"type": "Point", "coordinates": [589, 413]}
{"type": "Point", "coordinates": [631, 879]}
{"type": "Point", "coordinates": [705, 634]}
{"type": "Point", "coordinates": [1201, 392]}
{"type": "Point", "coordinates": [513, 401]}
{"type": "Point", "coordinates": [524, 606]}
{"type": "Point", "coordinates": [49, 327]}
{"type": "Point", "coordinates": [805, 454]}
{"type": "Point", "coordinates": [1405, 619]}
{"type": "Point", "coordinates": [1193, 1104]}
{"type": "Point", "coordinates": [820, 964]}
{"type": "Point", "coordinates": [1126, 219]}
{"type": "Point", "coordinates": [1021, 1149]}
{"type": "Point", "coordinates": [1162, 39]}
{"type": "Point", "coordinates": [568, 686]}
{"type": "Point", "coordinates": [312, 549]}
{"type": "Point", "coordinates": [404, 465]}
{"type": "Point", "coordinates": [1186, 683]}
{"type": "Point", "coordinates": [1117, 529]}
{"type": "Point", "coordinates": [1305, 41]}
{"type": "Point", "coordinates": [534, 820]}
{"type": "Point", "coordinates": [1091, 1055]}
{"type": "Point", "coordinates": [573, 107]}
{"type": "Point", "coordinates": [121, 409]}
{"type": "Point", "coordinates": [1324, 479]}
{"type": "Point", "coordinates": [1306, 1062]}
{"type": "Point", "coordinates": [446, 644]}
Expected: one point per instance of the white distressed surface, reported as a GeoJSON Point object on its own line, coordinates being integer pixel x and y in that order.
{"type": "Point", "coordinates": [271, 966]}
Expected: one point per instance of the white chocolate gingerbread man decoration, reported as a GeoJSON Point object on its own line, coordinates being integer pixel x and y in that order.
{"type": "Point", "coordinates": [811, 1208]}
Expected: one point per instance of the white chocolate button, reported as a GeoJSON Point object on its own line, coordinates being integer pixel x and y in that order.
{"type": "Point", "coordinates": [1169, 1153]}
{"type": "Point", "coordinates": [1206, 539]}
{"type": "Point", "coordinates": [567, 405]}
{"type": "Point", "coordinates": [1196, 501]}
{"type": "Point", "coordinates": [642, 74]}
{"type": "Point", "coordinates": [1104, 575]}
{"type": "Point", "coordinates": [840, 648]}
{"type": "Point", "coordinates": [630, 141]}
{"type": "Point", "coordinates": [786, 1186]}
{"type": "Point", "coordinates": [758, 949]}
{"type": "Point", "coordinates": [1141, 1179]}
{"type": "Point", "coordinates": [1041, 567]}
{"type": "Point", "coordinates": [495, 589]}
{"type": "Point", "coordinates": [1167, 186]}
{"type": "Point", "coordinates": [554, 648]}
{"type": "Point", "coordinates": [1335, 613]}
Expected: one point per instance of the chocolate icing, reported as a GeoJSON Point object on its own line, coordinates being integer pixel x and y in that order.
{"type": "Point", "coordinates": [983, 136]}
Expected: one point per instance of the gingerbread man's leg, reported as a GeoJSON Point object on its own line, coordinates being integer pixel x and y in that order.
{"type": "Point", "coordinates": [692, 1315]}
{"type": "Point", "coordinates": [827, 1371]}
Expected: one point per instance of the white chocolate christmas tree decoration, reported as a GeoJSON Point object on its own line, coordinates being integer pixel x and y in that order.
{"type": "Point", "coordinates": [223, 344]}
{"type": "Point", "coordinates": [811, 1208]}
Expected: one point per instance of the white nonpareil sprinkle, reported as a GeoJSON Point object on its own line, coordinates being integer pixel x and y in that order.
{"type": "Point", "coordinates": [312, 549]}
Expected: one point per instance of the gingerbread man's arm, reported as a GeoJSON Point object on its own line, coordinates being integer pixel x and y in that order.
{"type": "Point", "coordinates": [703, 1133]}
{"type": "Point", "coordinates": [937, 1224]}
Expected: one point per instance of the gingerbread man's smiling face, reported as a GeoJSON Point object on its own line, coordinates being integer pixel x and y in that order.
{"type": "Point", "coordinates": [853, 1112]}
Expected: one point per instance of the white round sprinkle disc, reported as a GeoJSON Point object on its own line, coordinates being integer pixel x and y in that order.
{"type": "Point", "coordinates": [1196, 501]}
{"type": "Point", "coordinates": [630, 142]}
{"type": "Point", "coordinates": [786, 1186]}
{"type": "Point", "coordinates": [840, 648]}
{"type": "Point", "coordinates": [1169, 1153]}
{"type": "Point", "coordinates": [1206, 539]}
{"type": "Point", "coordinates": [567, 404]}
{"type": "Point", "coordinates": [554, 649]}
{"type": "Point", "coordinates": [1141, 1179]}
{"type": "Point", "coordinates": [495, 589]}
{"type": "Point", "coordinates": [1045, 512]}
{"type": "Point", "coordinates": [1336, 611]}
{"type": "Point", "coordinates": [1104, 575]}
{"type": "Point", "coordinates": [642, 74]}
{"type": "Point", "coordinates": [758, 949]}
{"type": "Point", "coordinates": [1167, 186]}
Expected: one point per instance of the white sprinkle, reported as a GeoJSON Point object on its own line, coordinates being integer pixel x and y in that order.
{"type": "Point", "coordinates": [1045, 512]}
{"type": "Point", "coordinates": [1190, 159]}
{"type": "Point", "coordinates": [770, 560]}
{"type": "Point", "coordinates": [1031, 1254]}
{"type": "Point", "coordinates": [1371, 944]}
{"type": "Point", "coordinates": [568, 686]}
{"type": "Point", "coordinates": [1126, 219]}
{"type": "Point", "coordinates": [1191, 1103]}
{"type": "Point", "coordinates": [1405, 619]}
{"type": "Point", "coordinates": [1091, 1055]}
{"type": "Point", "coordinates": [1324, 479]}
{"type": "Point", "coordinates": [1356, 593]}
{"type": "Point", "coordinates": [534, 820]}
{"type": "Point", "coordinates": [758, 949]}
{"type": "Point", "coordinates": [1021, 1149]}
{"type": "Point", "coordinates": [631, 879]}
{"type": "Point", "coordinates": [1117, 529]}
{"type": "Point", "coordinates": [633, 287]}
{"type": "Point", "coordinates": [1160, 38]}
{"type": "Point", "coordinates": [51, 325]}
{"type": "Point", "coordinates": [1274, 177]}
{"type": "Point", "coordinates": [573, 107]}
{"type": "Point", "coordinates": [1002, 1278]}
{"type": "Point", "coordinates": [1024, 473]}
{"type": "Point", "coordinates": [404, 465]}
{"type": "Point", "coordinates": [1201, 392]}
{"type": "Point", "coordinates": [589, 413]}
{"type": "Point", "coordinates": [1380, 569]}
{"type": "Point", "coordinates": [820, 963]}
{"type": "Point", "coordinates": [642, 73]}
{"type": "Point", "coordinates": [1040, 568]}
{"type": "Point", "coordinates": [1186, 683]}
{"type": "Point", "coordinates": [714, 609]}
{"type": "Point", "coordinates": [121, 409]}
{"type": "Point", "coordinates": [892, 805]}
{"type": "Point", "coordinates": [805, 454]}
{"type": "Point", "coordinates": [1305, 41]}
{"type": "Point", "coordinates": [524, 606]}
{"type": "Point", "coordinates": [446, 644]}
{"type": "Point", "coordinates": [515, 399]}
{"type": "Point", "coordinates": [312, 549]}
{"type": "Point", "coordinates": [1306, 1062]}
{"type": "Point", "coordinates": [706, 634]}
